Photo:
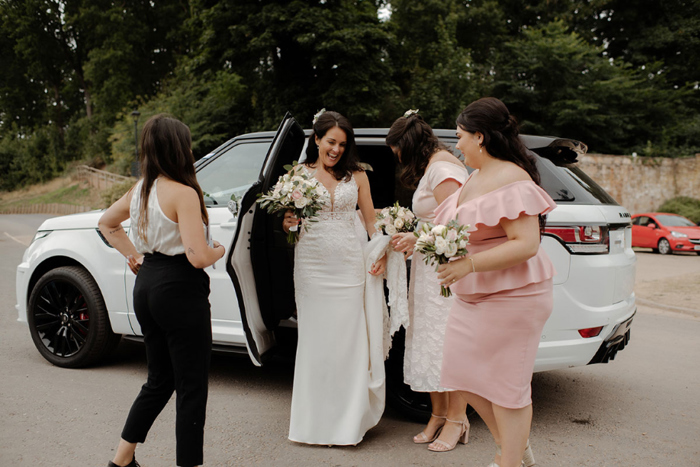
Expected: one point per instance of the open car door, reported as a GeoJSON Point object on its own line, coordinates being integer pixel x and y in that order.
{"type": "Point", "coordinates": [260, 260]}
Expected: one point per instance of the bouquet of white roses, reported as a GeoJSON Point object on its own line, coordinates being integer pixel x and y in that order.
{"type": "Point", "coordinates": [395, 219]}
{"type": "Point", "coordinates": [297, 192]}
{"type": "Point", "coordinates": [440, 243]}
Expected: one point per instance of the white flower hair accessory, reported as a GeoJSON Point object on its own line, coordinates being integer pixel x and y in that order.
{"type": "Point", "coordinates": [410, 112]}
{"type": "Point", "coordinates": [318, 114]}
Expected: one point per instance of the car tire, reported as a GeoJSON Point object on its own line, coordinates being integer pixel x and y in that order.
{"type": "Point", "coordinates": [68, 319]}
{"type": "Point", "coordinates": [664, 247]}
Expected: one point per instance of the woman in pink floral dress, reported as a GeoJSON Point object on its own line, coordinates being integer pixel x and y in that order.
{"type": "Point", "coordinates": [435, 174]}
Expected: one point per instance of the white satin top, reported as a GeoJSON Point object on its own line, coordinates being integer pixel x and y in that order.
{"type": "Point", "coordinates": [163, 235]}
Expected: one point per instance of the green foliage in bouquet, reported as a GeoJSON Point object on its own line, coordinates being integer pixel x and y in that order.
{"type": "Point", "coordinates": [440, 243]}
{"type": "Point", "coordinates": [294, 191]}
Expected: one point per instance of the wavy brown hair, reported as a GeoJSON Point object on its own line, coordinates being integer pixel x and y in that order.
{"type": "Point", "coordinates": [166, 150]}
{"type": "Point", "coordinates": [350, 161]}
{"type": "Point", "coordinates": [416, 143]}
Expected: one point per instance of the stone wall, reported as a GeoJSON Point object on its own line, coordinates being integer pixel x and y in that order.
{"type": "Point", "coordinates": [642, 184]}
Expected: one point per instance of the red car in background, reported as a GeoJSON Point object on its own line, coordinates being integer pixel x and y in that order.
{"type": "Point", "coordinates": [665, 233]}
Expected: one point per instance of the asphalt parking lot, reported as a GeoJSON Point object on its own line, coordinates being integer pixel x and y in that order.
{"type": "Point", "coordinates": [641, 409]}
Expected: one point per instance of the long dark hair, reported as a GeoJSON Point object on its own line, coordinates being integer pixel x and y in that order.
{"type": "Point", "coordinates": [350, 161]}
{"type": "Point", "coordinates": [417, 143]}
{"type": "Point", "coordinates": [166, 149]}
{"type": "Point", "coordinates": [490, 117]}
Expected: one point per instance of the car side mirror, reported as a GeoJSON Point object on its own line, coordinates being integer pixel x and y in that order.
{"type": "Point", "coordinates": [651, 225]}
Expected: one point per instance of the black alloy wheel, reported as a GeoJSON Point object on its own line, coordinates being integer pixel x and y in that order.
{"type": "Point", "coordinates": [68, 319]}
{"type": "Point", "coordinates": [665, 247]}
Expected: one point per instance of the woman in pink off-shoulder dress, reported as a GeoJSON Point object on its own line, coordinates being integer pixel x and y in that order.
{"type": "Point", "coordinates": [503, 288]}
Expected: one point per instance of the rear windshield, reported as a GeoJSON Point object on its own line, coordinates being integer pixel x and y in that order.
{"type": "Point", "coordinates": [560, 177]}
{"type": "Point", "coordinates": [566, 182]}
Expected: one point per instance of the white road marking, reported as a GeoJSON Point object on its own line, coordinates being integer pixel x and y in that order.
{"type": "Point", "coordinates": [18, 240]}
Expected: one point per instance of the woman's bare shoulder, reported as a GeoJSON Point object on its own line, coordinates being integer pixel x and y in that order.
{"type": "Point", "coordinates": [360, 175]}
{"type": "Point", "coordinates": [511, 173]}
{"type": "Point", "coordinates": [177, 191]}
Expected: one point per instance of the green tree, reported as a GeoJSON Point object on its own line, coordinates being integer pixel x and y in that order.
{"type": "Point", "coordinates": [646, 32]}
{"type": "Point", "coordinates": [72, 66]}
{"type": "Point", "coordinates": [298, 55]}
{"type": "Point", "coordinates": [435, 74]}
{"type": "Point", "coordinates": [556, 82]}
{"type": "Point", "coordinates": [214, 106]}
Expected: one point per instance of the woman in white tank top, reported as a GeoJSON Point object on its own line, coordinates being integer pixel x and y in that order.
{"type": "Point", "coordinates": [167, 249]}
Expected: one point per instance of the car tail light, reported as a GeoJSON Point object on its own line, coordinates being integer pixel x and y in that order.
{"type": "Point", "coordinates": [590, 332]}
{"type": "Point", "coordinates": [582, 239]}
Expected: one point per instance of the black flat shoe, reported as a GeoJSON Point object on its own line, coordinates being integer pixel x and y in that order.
{"type": "Point", "coordinates": [133, 463]}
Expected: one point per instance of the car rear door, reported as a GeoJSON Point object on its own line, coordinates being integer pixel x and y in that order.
{"type": "Point", "coordinates": [260, 262]}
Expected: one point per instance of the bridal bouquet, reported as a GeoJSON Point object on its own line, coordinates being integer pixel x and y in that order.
{"type": "Point", "coordinates": [297, 192]}
{"type": "Point", "coordinates": [395, 219]}
{"type": "Point", "coordinates": [440, 243]}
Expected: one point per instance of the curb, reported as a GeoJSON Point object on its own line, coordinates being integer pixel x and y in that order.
{"type": "Point", "coordinates": [661, 306]}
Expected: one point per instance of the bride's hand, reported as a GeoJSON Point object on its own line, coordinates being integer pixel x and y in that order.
{"type": "Point", "coordinates": [290, 220]}
{"type": "Point", "coordinates": [403, 242]}
{"type": "Point", "coordinates": [453, 271]}
{"type": "Point", "coordinates": [379, 267]}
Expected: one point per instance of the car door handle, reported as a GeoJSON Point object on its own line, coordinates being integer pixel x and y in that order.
{"type": "Point", "coordinates": [228, 225]}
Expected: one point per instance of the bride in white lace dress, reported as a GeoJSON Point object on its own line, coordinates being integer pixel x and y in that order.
{"type": "Point", "coordinates": [332, 401]}
{"type": "Point", "coordinates": [435, 174]}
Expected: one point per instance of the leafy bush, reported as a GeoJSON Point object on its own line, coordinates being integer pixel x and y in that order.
{"type": "Point", "coordinates": [212, 106]}
{"type": "Point", "coordinates": [684, 206]}
{"type": "Point", "coordinates": [117, 190]}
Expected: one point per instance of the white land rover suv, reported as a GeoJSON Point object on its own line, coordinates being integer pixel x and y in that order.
{"type": "Point", "coordinates": [75, 291]}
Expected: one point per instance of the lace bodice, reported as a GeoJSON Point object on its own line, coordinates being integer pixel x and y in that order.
{"type": "Point", "coordinates": [341, 204]}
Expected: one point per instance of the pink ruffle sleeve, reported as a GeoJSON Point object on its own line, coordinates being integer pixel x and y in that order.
{"type": "Point", "coordinates": [484, 215]}
{"type": "Point", "coordinates": [507, 202]}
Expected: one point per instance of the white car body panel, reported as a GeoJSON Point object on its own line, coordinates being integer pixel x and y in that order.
{"type": "Point", "coordinates": [590, 290]}
{"type": "Point", "coordinates": [83, 246]}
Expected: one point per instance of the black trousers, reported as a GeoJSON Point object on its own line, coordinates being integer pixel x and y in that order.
{"type": "Point", "coordinates": [171, 302]}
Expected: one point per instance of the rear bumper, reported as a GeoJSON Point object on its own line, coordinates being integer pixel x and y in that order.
{"type": "Point", "coordinates": [616, 341]}
{"type": "Point", "coordinates": [565, 348]}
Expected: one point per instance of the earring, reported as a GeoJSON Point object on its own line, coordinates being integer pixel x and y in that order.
{"type": "Point", "coordinates": [481, 149]}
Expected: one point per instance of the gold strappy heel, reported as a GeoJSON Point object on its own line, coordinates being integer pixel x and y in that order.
{"type": "Point", "coordinates": [422, 438]}
{"type": "Point", "coordinates": [440, 446]}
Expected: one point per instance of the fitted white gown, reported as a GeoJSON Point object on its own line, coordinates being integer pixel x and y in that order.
{"type": "Point", "coordinates": [332, 403]}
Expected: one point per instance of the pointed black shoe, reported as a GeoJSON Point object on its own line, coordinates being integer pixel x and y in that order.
{"type": "Point", "coordinates": [133, 463]}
